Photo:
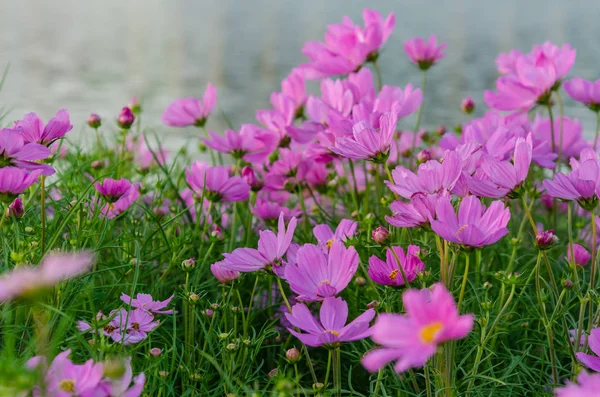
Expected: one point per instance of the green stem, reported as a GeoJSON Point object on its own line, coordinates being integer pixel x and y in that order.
{"type": "Point", "coordinates": [427, 380]}
{"type": "Point", "coordinates": [547, 324]}
{"type": "Point", "coordinates": [43, 203]}
{"type": "Point", "coordinates": [355, 186]}
{"type": "Point", "coordinates": [378, 75]}
{"type": "Point", "coordinates": [592, 272]}
{"type": "Point", "coordinates": [597, 129]}
{"type": "Point", "coordinates": [418, 122]}
{"type": "Point", "coordinates": [337, 372]}
{"type": "Point", "coordinates": [378, 382]}
{"type": "Point", "coordinates": [552, 137]}
{"type": "Point", "coordinates": [464, 281]}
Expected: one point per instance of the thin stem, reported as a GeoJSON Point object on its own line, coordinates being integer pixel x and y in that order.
{"type": "Point", "coordinates": [552, 137]}
{"type": "Point", "coordinates": [285, 299]}
{"type": "Point", "coordinates": [464, 281]}
{"type": "Point", "coordinates": [592, 272]}
{"type": "Point", "coordinates": [547, 324]}
{"type": "Point", "coordinates": [328, 368]}
{"type": "Point", "coordinates": [404, 279]}
{"type": "Point", "coordinates": [572, 264]}
{"type": "Point", "coordinates": [43, 203]}
{"type": "Point", "coordinates": [355, 186]}
{"type": "Point", "coordinates": [378, 75]}
{"type": "Point", "coordinates": [378, 382]}
{"type": "Point", "coordinates": [337, 372]}
{"type": "Point", "coordinates": [427, 380]}
{"type": "Point", "coordinates": [560, 128]}
{"type": "Point", "coordinates": [418, 122]}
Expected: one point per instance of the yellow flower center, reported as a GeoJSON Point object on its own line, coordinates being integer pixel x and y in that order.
{"type": "Point", "coordinates": [394, 274]}
{"type": "Point", "coordinates": [67, 385]}
{"type": "Point", "coordinates": [324, 282]}
{"type": "Point", "coordinates": [329, 243]}
{"type": "Point", "coordinates": [332, 332]}
{"type": "Point", "coordinates": [461, 229]}
{"type": "Point", "coordinates": [429, 332]}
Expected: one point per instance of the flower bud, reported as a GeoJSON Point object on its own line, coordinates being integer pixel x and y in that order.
{"type": "Point", "coordinates": [15, 209]}
{"type": "Point", "coordinates": [467, 105]}
{"type": "Point", "coordinates": [188, 265]}
{"type": "Point", "coordinates": [568, 284]}
{"type": "Point", "coordinates": [380, 235]}
{"type": "Point", "coordinates": [292, 355]}
{"type": "Point", "coordinates": [372, 305]}
{"type": "Point", "coordinates": [209, 313]}
{"type": "Point", "coordinates": [193, 297]}
{"type": "Point", "coordinates": [251, 179]}
{"type": "Point", "coordinates": [360, 281]}
{"type": "Point", "coordinates": [28, 229]}
{"type": "Point", "coordinates": [231, 346]}
{"type": "Point", "coordinates": [223, 335]}
{"type": "Point", "coordinates": [114, 368]}
{"type": "Point", "coordinates": [441, 130]}
{"type": "Point", "coordinates": [155, 351]}
{"type": "Point", "coordinates": [273, 372]}
{"type": "Point", "coordinates": [423, 156]}
{"type": "Point", "coordinates": [164, 374]}
{"type": "Point", "coordinates": [546, 239]}
{"type": "Point", "coordinates": [94, 120]}
{"type": "Point", "coordinates": [134, 105]}
{"type": "Point", "coordinates": [126, 118]}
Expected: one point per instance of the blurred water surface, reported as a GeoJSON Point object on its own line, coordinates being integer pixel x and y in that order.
{"type": "Point", "coordinates": [93, 55]}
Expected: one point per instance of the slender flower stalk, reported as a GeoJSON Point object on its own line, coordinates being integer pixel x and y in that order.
{"type": "Point", "coordinates": [413, 145]}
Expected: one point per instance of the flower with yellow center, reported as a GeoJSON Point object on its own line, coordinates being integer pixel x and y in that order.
{"type": "Point", "coordinates": [394, 274]}
{"type": "Point", "coordinates": [461, 229]}
{"type": "Point", "coordinates": [324, 282]}
{"type": "Point", "coordinates": [67, 385]}
{"type": "Point", "coordinates": [430, 332]}
{"type": "Point", "coordinates": [329, 243]}
{"type": "Point", "coordinates": [332, 332]}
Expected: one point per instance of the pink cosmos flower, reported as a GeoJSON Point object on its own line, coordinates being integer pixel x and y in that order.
{"type": "Point", "coordinates": [14, 181]}
{"type": "Point", "coordinates": [474, 226]}
{"type": "Point", "coordinates": [395, 99]}
{"type": "Point", "coordinates": [588, 386]}
{"type": "Point", "coordinates": [250, 144]}
{"type": "Point", "coordinates": [506, 62]}
{"type": "Point", "coordinates": [119, 194]}
{"type": "Point", "coordinates": [584, 91]}
{"type": "Point", "coordinates": [331, 327]}
{"type": "Point", "coordinates": [572, 135]}
{"type": "Point", "coordinates": [424, 53]}
{"type": "Point", "coordinates": [347, 46]}
{"type": "Point", "coordinates": [325, 236]}
{"type": "Point", "coordinates": [271, 249]}
{"type": "Point", "coordinates": [145, 302]}
{"type": "Point", "coordinates": [130, 327]}
{"type": "Point", "coordinates": [318, 275]}
{"type": "Point", "coordinates": [288, 171]}
{"type": "Point", "coordinates": [65, 379]}
{"type": "Point", "coordinates": [366, 142]}
{"type": "Point", "coordinates": [14, 151]}
{"type": "Point", "coordinates": [580, 254]}
{"type": "Point", "coordinates": [121, 386]}
{"type": "Point", "coordinates": [215, 183]}
{"type": "Point", "coordinates": [501, 178]}
{"type": "Point", "coordinates": [268, 210]}
{"type": "Point", "coordinates": [592, 362]}
{"type": "Point", "coordinates": [432, 177]}
{"type": "Point", "coordinates": [513, 95]}
{"type": "Point", "coordinates": [582, 184]}
{"type": "Point", "coordinates": [34, 131]}
{"type": "Point", "coordinates": [431, 319]}
{"type": "Point", "coordinates": [416, 213]}
{"type": "Point", "coordinates": [15, 208]}
{"type": "Point", "coordinates": [27, 280]}
{"type": "Point", "coordinates": [294, 87]}
{"type": "Point", "coordinates": [389, 273]}
{"type": "Point", "coordinates": [223, 274]}
{"type": "Point", "coordinates": [191, 111]}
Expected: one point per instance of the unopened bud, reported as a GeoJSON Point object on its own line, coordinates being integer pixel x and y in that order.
{"type": "Point", "coordinates": [251, 179]}
{"type": "Point", "coordinates": [155, 351]}
{"type": "Point", "coordinates": [467, 105]}
{"type": "Point", "coordinates": [193, 297]}
{"type": "Point", "coordinates": [188, 265]}
{"type": "Point", "coordinates": [568, 284]}
{"type": "Point", "coordinates": [423, 156]}
{"type": "Point", "coordinates": [94, 120]}
{"type": "Point", "coordinates": [546, 239]}
{"type": "Point", "coordinates": [292, 355]}
{"type": "Point", "coordinates": [372, 305]}
{"type": "Point", "coordinates": [273, 372]}
{"type": "Point", "coordinates": [380, 235]}
{"type": "Point", "coordinates": [360, 281]}
{"type": "Point", "coordinates": [15, 209]}
{"type": "Point", "coordinates": [126, 118]}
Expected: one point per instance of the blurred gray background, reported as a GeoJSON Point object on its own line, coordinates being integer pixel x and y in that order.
{"type": "Point", "coordinates": [93, 55]}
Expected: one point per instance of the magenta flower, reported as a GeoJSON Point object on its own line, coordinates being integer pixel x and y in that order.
{"type": "Point", "coordinates": [14, 151]}
{"type": "Point", "coordinates": [325, 236]}
{"type": "Point", "coordinates": [191, 111]}
{"type": "Point", "coordinates": [589, 386]}
{"type": "Point", "coordinates": [271, 249]}
{"type": "Point", "coordinates": [215, 183]}
{"type": "Point", "coordinates": [418, 212]}
{"type": "Point", "coordinates": [64, 379]}
{"type": "Point", "coordinates": [592, 362]}
{"type": "Point", "coordinates": [513, 95]}
{"type": "Point", "coordinates": [506, 62]}
{"type": "Point", "coordinates": [119, 194]}
{"type": "Point", "coordinates": [572, 135]}
{"type": "Point", "coordinates": [584, 91]}
{"type": "Point", "coordinates": [15, 208]}
{"type": "Point", "coordinates": [130, 327]}
{"type": "Point", "coordinates": [402, 102]}
{"type": "Point", "coordinates": [25, 281]}
{"type": "Point", "coordinates": [581, 256]}
{"type": "Point", "coordinates": [294, 87]}
{"type": "Point", "coordinates": [331, 327]}
{"type": "Point", "coordinates": [432, 177]}
{"type": "Point", "coordinates": [14, 181]}
{"type": "Point", "coordinates": [318, 275]}
{"type": "Point", "coordinates": [223, 274]}
{"type": "Point", "coordinates": [431, 319]}
{"type": "Point", "coordinates": [347, 46]}
{"type": "Point", "coordinates": [268, 210]}
{"type": "Point", "coordinates": [121, 386]}
{"type": "Point", "coordinates": [389, 272]}
{"type": "Point", "coordinates": [366, 142]}
{"type": "Point", "coordinates": [424, 53]}
{"type": "Point", "coordinates": [250, 144]}
{"type": "Point", "coordinates": [145, 302]}
{"type": "Point", "coordinates": [474, 226]}
{"type": "Point", "coordinates": [34, 130]}
{"type": "Point", "coordinates": [503, 178]}
{"type": "Point", "coordinates": [582, 184]}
